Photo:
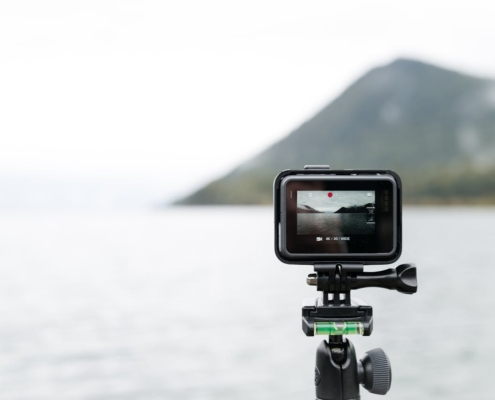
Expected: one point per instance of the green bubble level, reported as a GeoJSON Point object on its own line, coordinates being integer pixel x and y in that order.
{"type": "Point", "coordinates": [339, 328]}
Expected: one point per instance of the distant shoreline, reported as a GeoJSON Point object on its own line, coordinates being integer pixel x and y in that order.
{"type": "Point", "coordinates": [450, 201]}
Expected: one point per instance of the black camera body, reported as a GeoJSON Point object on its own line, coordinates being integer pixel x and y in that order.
{"type": "Point", "coordinates": [338, 216]}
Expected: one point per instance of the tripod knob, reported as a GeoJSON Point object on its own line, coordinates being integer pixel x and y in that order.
{"type": "Point", "coordinates": [375, 372]}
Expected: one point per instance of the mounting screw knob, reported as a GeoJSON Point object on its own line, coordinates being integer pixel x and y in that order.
{"type": "Point", "coordinates": [376, 372]}
{"type": "Point", "coordinates": [312, 280]}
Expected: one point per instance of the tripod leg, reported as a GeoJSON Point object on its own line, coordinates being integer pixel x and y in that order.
{"type": "Point", "coordinates": [336, 371]}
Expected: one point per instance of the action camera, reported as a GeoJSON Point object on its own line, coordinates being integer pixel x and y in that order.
{"type": "Point", "coordinates": [324, 215]}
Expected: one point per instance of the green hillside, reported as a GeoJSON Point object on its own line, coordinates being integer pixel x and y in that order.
{"type": "Point", "coordinates": [433, 126]}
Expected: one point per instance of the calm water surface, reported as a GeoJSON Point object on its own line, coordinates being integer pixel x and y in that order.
{"type": "Point", "coordinates": [193, 304]}
{"type": "Point", "coordinates": [334, 224]}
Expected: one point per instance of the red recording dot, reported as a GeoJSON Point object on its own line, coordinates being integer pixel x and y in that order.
{"type": "Point", "coordinates": [330, 194]}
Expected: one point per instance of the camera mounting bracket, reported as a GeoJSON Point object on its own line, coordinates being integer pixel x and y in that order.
{"type": "Point", "coordinates": [337, 316]}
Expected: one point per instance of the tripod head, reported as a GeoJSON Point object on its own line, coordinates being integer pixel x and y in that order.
{"type": "Point", "coordinates": [337, 372]}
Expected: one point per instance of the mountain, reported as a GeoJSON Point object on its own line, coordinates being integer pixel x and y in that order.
{"type": "Point", "coordinates": [355, 209]}
{"type": "Point", "coordinates": [434, 126]}
{"type": "Point", "coordinates": [307, 209]}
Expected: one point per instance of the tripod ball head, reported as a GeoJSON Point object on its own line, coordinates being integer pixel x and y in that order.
{"type": "Point", "coordinates": [338, 373]}
{"type": "Point", "coordinates": [375, 372]}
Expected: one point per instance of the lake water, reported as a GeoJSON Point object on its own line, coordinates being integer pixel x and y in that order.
{"type": "Point", "coordinates": [334, 224]}
{"type": "Point", "coordinates": [192, 303]}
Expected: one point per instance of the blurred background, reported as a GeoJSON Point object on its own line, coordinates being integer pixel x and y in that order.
{"type": "Point", "coordinates": [138, 144]}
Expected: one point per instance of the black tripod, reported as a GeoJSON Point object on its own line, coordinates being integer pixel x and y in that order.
{"type": "Point", "coordinates": [337, 372]}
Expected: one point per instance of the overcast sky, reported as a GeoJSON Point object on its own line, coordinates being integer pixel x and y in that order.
{"type": "Point", "coordinates": [179, 92]}
{"type": "Point", "coordinates": [320, 200]}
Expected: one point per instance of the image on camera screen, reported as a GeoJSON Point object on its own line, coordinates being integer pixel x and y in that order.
{"type": "Point", "coordinates": [339, 213]}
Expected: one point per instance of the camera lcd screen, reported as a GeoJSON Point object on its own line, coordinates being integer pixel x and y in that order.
{"type": "Point", "coordinates": [335, 214]}
{"type": "Point", "coordinates": [352, 216]}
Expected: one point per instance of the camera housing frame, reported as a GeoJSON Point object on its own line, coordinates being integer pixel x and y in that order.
{"type": "Point", "coordinates": [344, 258]}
